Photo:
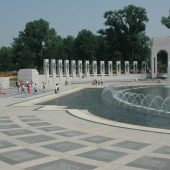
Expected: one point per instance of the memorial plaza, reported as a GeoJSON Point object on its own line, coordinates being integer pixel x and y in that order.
{"type": "Point", "coordinates": [34, 136]}
{"type": "Point", "coordinates": [65, 131]}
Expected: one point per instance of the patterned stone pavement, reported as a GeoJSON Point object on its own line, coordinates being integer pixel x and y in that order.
{"type": "Point", "coordinates": [35, 139]}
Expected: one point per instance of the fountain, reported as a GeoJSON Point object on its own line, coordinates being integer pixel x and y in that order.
{"type": "Point", "coordinates": [148, 106]}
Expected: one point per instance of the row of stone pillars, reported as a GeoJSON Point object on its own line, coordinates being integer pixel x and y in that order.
{"type": "Point", "coordinates": [53, 67]}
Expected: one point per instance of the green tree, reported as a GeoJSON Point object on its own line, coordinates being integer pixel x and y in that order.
{"type": "Point", "coordinates": [35, 43]}
{"type": "Point", "coordinates": [69, 48]}
{"type": "Point", "coordinates": [85, 45]}
{"type": "Point", "coordinates": [124, 32]}
{"type": "Point", "coordinates": [53, 48]}
{"type": "Point", "coordinates": [101, 52]}
{"type": "Point", "coordinates": [6, 59]}
{"type": "Point", "coordinates": [166, 21]}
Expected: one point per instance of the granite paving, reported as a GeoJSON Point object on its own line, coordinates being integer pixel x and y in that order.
{"type": "Point", "coordinates": [37, 137]}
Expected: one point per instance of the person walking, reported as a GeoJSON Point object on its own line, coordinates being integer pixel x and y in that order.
{"type": "Point", "coordinates": [57, 88]}
{"type": "Point", "coordinates": [35, 88]}
{"type": "Point", "coordinates": [44, 86]}
{"type": "Point", "coordinates": [23, 90]}
{"type": "Point", "coordinates": [17, 84]}
{"type": "Point", "coordinates": [29, 88]}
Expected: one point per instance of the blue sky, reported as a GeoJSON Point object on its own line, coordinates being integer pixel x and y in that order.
{"type": "Point", "coordinates": [68, 17]}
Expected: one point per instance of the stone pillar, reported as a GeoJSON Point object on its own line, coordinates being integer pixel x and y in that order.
{"type": "Point", "coordinates": [80, 67]}
{"type": "Point", "coordinates": [46, 69]}
{"type": "Point", "coordinates": [46, 66]}
{"type": "Point", "coordinates": [126, 67]}
{"type": "Point", "coordinates": [154, 64]}
{"type": "Point", "coordinates": [53, 68]}
{"type": "Point", "coordinates": [73, 68]}
{"type": "Point", "coordinates": [118, 67]}
{"type": "Point", "coordinates": [94, 68]}
{"type": "Point", "coordinates": [66, 68]}
{"type": "Point", "coordinates": [135, 67]}
{"type": "Point", "coordinates": [102, 68]}
{"type": "Point", "coordinates": [87, 68]}
{"type": "Point", "coordinates": [60, 70]}
{"type": "Point", "coordinates": [144, 67]}
{"type": "Point", "coordinates": [110, 68]}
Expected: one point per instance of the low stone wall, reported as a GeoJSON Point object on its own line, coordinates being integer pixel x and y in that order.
{"type": "Point", "coordinates": [32, 75]}
{"type": "Point", "coordinates": [28, 74]}
{"type": "Point", "coordinates": [4, 81]}
{"type": "Point", "coordinates": [114, 78]}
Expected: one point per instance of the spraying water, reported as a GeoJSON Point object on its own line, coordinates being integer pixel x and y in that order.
{"type": "Point", "coordinates": [146, 106]}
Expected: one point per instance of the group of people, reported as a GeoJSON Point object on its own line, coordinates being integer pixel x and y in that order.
{"type": "Point", "coordinates": [97, 82]}
{"type": "Point", "coordinates": [29, 86]}
{"type": "Point", "coordinates": [26, 87]}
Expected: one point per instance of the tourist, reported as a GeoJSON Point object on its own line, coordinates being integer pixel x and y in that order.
{"type": "Point", "coordinates": [98, 82]}
{"type": "Point", "coordinates": [94, 82]}
{"type": "Point", "coordinates": [31, 85]}
{"type": "Point", "coordinates": [35, 88]}
{"type": "Point", "coordinates": [27, 82]}
{"type": "Point", "coordinates": [17, 84]}
{"type": "Point", "coordinates": [44, 86]}
{"type": "Point", "coordinates": [23, 89]}
{"type": "Point", "coordinates": [57, 88]}
{"type": "Point", "coordinates": [21, 85]}
{"type": "Point", "coordinates": [28, 88]}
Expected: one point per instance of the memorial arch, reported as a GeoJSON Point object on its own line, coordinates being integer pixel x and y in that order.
{"type": "Point", "coordinates": [158, 45]}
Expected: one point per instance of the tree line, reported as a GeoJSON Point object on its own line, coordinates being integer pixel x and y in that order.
{"type": "Point", "coordinates": [123, 38]}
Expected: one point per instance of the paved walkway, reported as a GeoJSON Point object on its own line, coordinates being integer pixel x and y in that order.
{"type": "Point", "coordinates": [34, 138]}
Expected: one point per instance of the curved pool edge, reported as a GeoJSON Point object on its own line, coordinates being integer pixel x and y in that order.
{"type": "Point", "coordinates": [85, 115]}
